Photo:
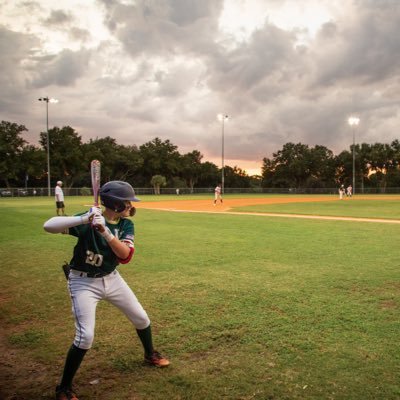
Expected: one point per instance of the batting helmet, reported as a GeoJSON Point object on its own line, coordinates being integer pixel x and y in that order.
{"type": "Point", "coordinates": [114, 194]}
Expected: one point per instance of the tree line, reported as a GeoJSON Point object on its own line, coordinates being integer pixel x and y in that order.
{"type": "Point", "coordinates": [159, 162]}
{"type": "Point", "coordinates": [154, 163]}
{"type": "Point", "coordinates": [300, 166]}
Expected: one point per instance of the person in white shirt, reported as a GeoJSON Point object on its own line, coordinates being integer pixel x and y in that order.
{"type": "Point", "coordinates": [218, 194]}
{"type": "Point", "coordinates": [59, 195]}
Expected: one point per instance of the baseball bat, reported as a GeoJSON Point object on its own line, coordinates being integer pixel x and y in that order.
{"type": "Point", "coordinates": [95, 170]}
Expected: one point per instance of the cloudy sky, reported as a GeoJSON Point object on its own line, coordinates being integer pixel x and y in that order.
{"type": "Point", "coordinates": [282, 70]}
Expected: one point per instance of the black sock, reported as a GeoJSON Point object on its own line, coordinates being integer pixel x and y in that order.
{"type": "Point", "coordinates": [146, 339]}
{"type": "Point", "coordinates": [74, 358]}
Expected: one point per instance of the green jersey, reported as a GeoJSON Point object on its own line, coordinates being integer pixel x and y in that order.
{"type": "Point", "coordinates": [92, 254]}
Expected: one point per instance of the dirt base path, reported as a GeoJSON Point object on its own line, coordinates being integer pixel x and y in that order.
{"type": "Point", "coordinates": [208, 205]}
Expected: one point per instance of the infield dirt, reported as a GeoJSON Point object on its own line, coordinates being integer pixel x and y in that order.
{"type": "Point", "coordinates": [229, 205]}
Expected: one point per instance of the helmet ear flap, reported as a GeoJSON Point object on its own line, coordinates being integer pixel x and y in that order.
{"type": "Point", "coordinates": [118, 206]}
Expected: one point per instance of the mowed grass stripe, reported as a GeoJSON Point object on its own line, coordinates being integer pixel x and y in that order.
{"type": "Point", "coordinates": [357, 208]}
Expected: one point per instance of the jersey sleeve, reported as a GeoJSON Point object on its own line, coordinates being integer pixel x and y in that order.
{"type": "Point", "coordinates": [127, 232]}
{"type": "Point", "coordinates": [127, 236]}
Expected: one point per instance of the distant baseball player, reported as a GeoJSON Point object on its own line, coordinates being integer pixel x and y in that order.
{"type": "Point", "coordinates": [342, 191]}
{"type": "Point", "coordinates": [105, 239]}
{"type": "Point", "coordinates": [59, 196]}
{"type": "Point", "coordinates": [349, 191]}
{"type": "Point", "coordinates": [218, 194]}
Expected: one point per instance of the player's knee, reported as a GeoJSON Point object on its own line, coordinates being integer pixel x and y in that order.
{"type": "Point", "coordinates": [84, 339]}
{"type": "Point", "coordinates": [142, 321]}
{"type": "Point", "coordinates": [83, 344]}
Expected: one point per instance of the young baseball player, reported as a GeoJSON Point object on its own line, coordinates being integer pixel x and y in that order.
{"type": "Point", "coordinates": [342, 192]}
{"type": "Point", "coordinates": [105, 239]}
{"type": "Point", "coordinates": [218, 194]}
{"type": "Point", "coordinates": [349, 191]}
{"type": "Point", "coordinates": [59, 196]}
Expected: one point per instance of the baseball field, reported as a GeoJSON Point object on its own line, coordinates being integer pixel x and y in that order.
{"type": "Point", "coordinates": [263, 297]}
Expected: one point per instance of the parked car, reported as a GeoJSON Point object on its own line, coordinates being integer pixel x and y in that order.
{"type": "Point", "coordinates": [5, 193]}
{"type": "Point", "coordinates": [22, 192]}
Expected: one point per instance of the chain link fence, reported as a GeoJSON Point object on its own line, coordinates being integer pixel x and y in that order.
{"type": "Point", "coordinates": [84, 191]}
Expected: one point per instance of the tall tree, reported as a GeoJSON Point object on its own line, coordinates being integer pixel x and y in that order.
{"type": "Point", "coordinates": [393, 174]}
{"type": "Point", "coordinates": [66, 157]}
{"type": "Point", "coordinates": [118, 162]}
{"type": "Point", "coordinates": [11, 147]}
{"type": "Point", "coordinates": [157, 181]}
{"type": "Point", "coordinates": [128, 164]}
{"type": "Point", "coordinates": [236, 177]}
{"type": "Point", "coordinates": [190, 167]}
{"type": "Point", "coordinates": [33, 161]}
{"type": "Point", "coordinates": [298, 165]}
{"type": "Point", "coordinates": [268, 173]}
{"type": "Point", "coordinates": [209, 175]}
{"type": "Point", "coordinates": [159, 158]}
{"type": "Point", "coordinates": [381, 157]}
{"type": "Point", "coordinates": [343, 173]}
{"type": "Point", "coordinates": [322, 167]}
{"type": "Point", "coordinates": [290, 166]}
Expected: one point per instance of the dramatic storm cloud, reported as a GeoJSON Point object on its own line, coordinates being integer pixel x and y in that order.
{"type": "Point", "coordinates": [283, 70]}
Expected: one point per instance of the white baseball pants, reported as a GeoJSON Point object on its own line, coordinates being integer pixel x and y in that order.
{"type": "Point", "coordinates": [87, 292]}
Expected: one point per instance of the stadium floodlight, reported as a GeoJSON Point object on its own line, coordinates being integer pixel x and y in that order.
{"type": "Point", "coordinates": [353, 122]}
{"type": "Point", "coordinates": [223, 118]}
{"type": "Point", "coordinates": [47, 100]}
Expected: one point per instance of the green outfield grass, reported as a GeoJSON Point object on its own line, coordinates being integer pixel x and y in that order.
{"type": "Point", "coordinates": [245, 307]}
{"type": "Point", "coordinates": [359, 208]}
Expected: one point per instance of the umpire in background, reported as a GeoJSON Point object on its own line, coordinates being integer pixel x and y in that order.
{"type": "Point", "coordinates": [59, 196]}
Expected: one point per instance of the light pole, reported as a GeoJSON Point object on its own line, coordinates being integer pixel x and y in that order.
{"type": "Point", "coordinates": [47, 100]}
{"type": "Point", "coordinates": [353, 122]}
{"type": "Point", "coordinates": [222, 118]}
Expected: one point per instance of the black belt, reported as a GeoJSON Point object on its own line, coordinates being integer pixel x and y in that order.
{"type": "Point", "coordinates": [91, 275]}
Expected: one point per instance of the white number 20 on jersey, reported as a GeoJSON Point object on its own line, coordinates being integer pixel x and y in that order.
{"type": "Point", "coordinates": [93, 259]}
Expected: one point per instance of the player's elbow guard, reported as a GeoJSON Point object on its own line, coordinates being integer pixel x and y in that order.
{"type": "Point", "coordinates": [52, 226]}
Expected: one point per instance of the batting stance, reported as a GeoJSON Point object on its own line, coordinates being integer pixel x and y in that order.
{"type": "Point", "coordinates": [104, 241]}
